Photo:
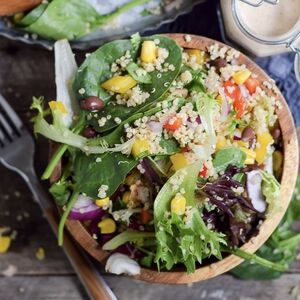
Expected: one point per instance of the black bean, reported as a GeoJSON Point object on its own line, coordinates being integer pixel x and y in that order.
{"type": "Point", "coordinates": [89, 132]}
{"type": "Point", "coordinates": [248, 134]}
{"type": "Point", "coordinates": [218, 63]}
{"type": "Point", "coordinates": [276, 133]}
{"type": "Point", "coordinates": [92, 103]}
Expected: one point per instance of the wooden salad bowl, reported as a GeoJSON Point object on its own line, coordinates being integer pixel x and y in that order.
{"type": "Point", "coordinates": [289, 175]}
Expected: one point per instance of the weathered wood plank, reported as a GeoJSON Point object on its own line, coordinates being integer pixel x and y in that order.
{"type": "Point", "coordinates": [224, 287]}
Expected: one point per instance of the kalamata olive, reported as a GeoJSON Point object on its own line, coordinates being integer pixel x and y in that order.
{"type": "Point", "coordinates": [218, 63]}
{"type": "Point", "coordinates": [275, 132]}
{"type": "Point", "coordinates": [92, 103]}
{"type": "Point", "coordinates": [248, 134]}
{"type": "Point", "coordinates": [89, 132]}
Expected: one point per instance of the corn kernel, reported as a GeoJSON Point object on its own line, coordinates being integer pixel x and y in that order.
{"type": "Point", "coordinates": [148, 52]}
{"type": "Point", "coordinates": [102, 202]}
{"type": "Point", "coordinates": [58, 105]}
{"type": "Point", "coordinates": [219, 99]}
{"type": "Point", "coordinates": [221, 143]}
{"type": "Point", "coordinates": [240, 77]}
{"type": "Point", "coordinates": [119, 84]}
{"type": "Point", "coordinates": [40, 253]}
{"type": "Point", "coordinates": [263, 140]}
{"type": "Point", "coordinates": [5, 242]}
{"type": "Point", "coordinates": [139, 146]}
{"type": "Point", "coordinates": [200, 58]}
{"type": "Point", "coordinates": [126, 197]}
{"type": "Point", "coordinates": [178, 204]}
{"type": "Point", "coordinates": [133, 177]}
{"type": "Point", "coordinates": [107, 226]}
{"type": "Point", "coordinates": [277, 160]}
{"type": "Point", "coordinates": [250, 159]}
{"type": "Point", "coordinates": [179, 161]}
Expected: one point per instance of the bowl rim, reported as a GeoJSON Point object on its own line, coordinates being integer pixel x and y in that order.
{"type": "Point", "coordinates": [288, 180]}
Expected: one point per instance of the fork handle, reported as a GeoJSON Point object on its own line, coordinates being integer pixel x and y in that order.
{"type": "Point", "coordinates": [88, 275]}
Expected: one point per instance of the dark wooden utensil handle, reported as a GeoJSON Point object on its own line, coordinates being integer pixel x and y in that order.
{"type": "Point", "coordinates": [88, 275]}
{"type": "Point", "coordinates": [9, 7]}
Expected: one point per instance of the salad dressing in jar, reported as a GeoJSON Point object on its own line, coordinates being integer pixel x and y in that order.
{"type": "Point", "coordinates": [268, 21]}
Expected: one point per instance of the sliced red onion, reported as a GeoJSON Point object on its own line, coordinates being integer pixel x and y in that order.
{"type": "Point", "coordinates": [244, 91]}
{"type": "Point", "coordinates": [84, 209]}
{"type": "Point", "coordinates": [254, 180]}
{"type": "Point", "coordinates": [156, 127]}
{"type": "Point", "coordinates": [237, 136]}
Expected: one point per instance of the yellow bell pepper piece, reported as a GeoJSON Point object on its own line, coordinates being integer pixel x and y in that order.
{"type": "Point", "coordinates": [119, 84]}
{"type": "Point", "coordinates": [5, 242]}
{"type": "Point", "coordinates": [221, 143]}
{"type": "Point", "coordinates": [250, 159]}
{"type": "Point", "coordinates": [133, 177]}
{"type": "Point", "coordinates": [107, 226]}
{"type": "Point", "coordinates": [200, 56]}
{"type": "Point", "coordinates": [240, 77]}
{"type": "Point", "coordinates": [263, 141]}
{"type": "Point", "coordinates": [139, 146]}
{"type": "Point", "coordinates": [126, 197]}
{"type": "Point", "coordinates": [148, 52]}
{"type": "Point", "coordinates": [179, 161]}
{"type": "Point", "coordinates": [102, 202]}
{"type": "Point", "coordinates": [178, 205]}
{"type": "Point", "coordinates": [242, 144]}
{"type": "Point", "coordinates": [277, 160]}
{"type": "Point", "coordinates": [58, 105]}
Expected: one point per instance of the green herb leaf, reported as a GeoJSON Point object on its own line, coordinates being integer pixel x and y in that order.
{"type": "Point", "coordinates": [138, 73]}
{"type": "Point", "coordinates": [229, 156]}
{"type": "Point", "coordinates": [60, 192]}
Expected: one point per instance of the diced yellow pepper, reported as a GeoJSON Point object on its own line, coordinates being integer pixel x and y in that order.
{"type": "Point", "coordinates": [178, 205]}
{"type": "Point", "coordinates": [102, 202]}
{"type": "Point", "coordinates": [219, 99]}
{"type": "Point", "coordinates": [242, 144]}
{"type": "Point", "coordinates": [263, 140]}
{"type": "Point", "coordinates": [5, 242]}
{"type": "Point", "coordinates": [277, 160]}
{"type": "Point", "coordinates": [240, 77]}
{"type": "Point", "coordinates": [107, 226]}
{"type": "Point", "coordinates": [139, 146]}
{"type": "Point", "coordinates": [58, 105]}
{"type": "Point", "coordinates": [200, 55]}
{"type": "Point", "coordinates": [126, 197]}
{"type": "Point", "coordinates": [119, 84]}
{"type": "Point", "coordinates": [221, 143]}
{"type": "Point", "coordinates": [250, 159]}
{"type": "Point", "coordinates": [148, 52]}
{"type": "Point", "coordinates": [179, 161]}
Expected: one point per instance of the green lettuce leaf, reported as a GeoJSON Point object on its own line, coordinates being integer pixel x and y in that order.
{"type": "Point", "coordinates": [185, 239]}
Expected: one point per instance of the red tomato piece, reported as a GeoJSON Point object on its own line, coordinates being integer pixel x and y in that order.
{"type": "Point", "coordinates": [173, 124]}
{"type": "Point", "coordinates": [146, 216]}
{"type": "Point", "coordinates": [232, 90]}
{"type": "Point", "coordinates": [203, 172]}
{"type": "Point", "coordinates": [240, 107]}
{"type": "Point", "coordinates": [251, 85]}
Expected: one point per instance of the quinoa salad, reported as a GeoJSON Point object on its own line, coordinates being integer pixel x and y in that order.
{"type": "Point", "coordinates": [169, 156]}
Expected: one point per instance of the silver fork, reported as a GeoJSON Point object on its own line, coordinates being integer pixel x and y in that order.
{"type": "Point", "coordinates": [17, 154]}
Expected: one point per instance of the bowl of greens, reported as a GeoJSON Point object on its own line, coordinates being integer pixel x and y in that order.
{"type": "Point", "coordinates": [176, 156]}
{"type": "Point", "coordinates": [90, 23]}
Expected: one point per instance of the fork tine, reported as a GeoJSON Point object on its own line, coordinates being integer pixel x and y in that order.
{"type": "Point", "coordinates": [6, 127]}
{"type": "Point", "coordinates": [15, 120]}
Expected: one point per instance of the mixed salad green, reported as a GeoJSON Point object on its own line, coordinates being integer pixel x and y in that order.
{"type": "Point", "coordinates": [170, 155]}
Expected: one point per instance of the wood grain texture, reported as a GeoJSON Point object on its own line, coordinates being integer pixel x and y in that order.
{"type": "Point", "coordinates": [9, 7]}
{"type": "Point", "coordinates": [290, 171]}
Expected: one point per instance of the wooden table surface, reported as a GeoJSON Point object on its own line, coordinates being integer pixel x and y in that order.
{"type": "Point", "coordinates": [28, 71]}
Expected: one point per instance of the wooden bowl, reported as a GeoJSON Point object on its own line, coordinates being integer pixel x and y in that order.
{"type": "Point", "coordinates": [290, 170]}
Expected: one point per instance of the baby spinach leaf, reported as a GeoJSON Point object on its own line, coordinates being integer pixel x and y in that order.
{"type": "Point", "coordinates": [96, 70]}
{"type": "Point", "coordinates": [228, 156]}
{"type": "Point", "coordinates": [110, 169]}
{"type": "Point", "coordinates": [170, 146]}
{"type": "Point", "coordinates": [71, 19]}
{"type": "Point", "coordinates": [183, 240]}
{"type": "Point", "coordinates": [138, 74]}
